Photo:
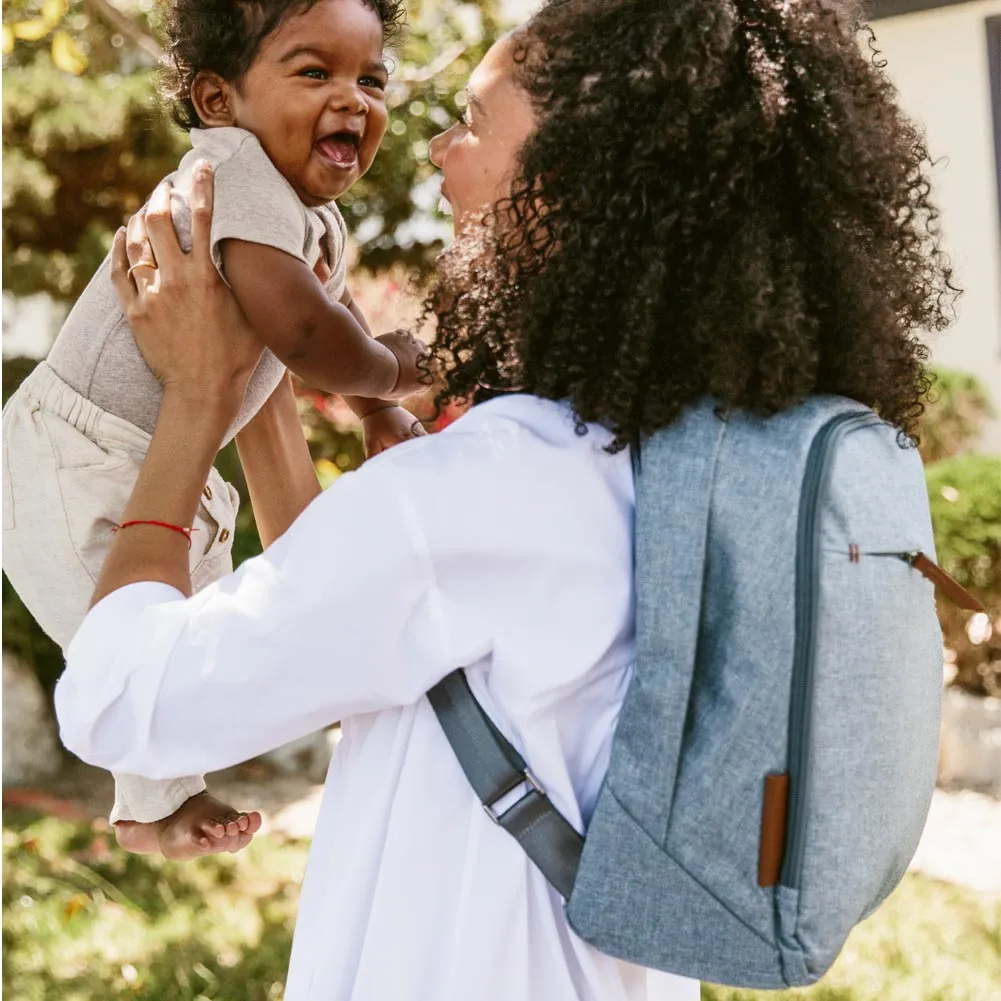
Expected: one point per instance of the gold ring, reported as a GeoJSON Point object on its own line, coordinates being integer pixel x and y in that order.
{"type": "Point", "coordinates": [142, 264]}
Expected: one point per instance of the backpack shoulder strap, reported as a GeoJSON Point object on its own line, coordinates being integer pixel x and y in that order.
{"type": "Point", "coordinates": [494, 769]}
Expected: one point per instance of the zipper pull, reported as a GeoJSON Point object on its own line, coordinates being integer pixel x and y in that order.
{"type": "Point", "coordinates": [947, 584]}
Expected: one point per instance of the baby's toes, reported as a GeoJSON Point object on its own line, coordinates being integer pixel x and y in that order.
{"type": "Point", "coordinates": [213, 828]}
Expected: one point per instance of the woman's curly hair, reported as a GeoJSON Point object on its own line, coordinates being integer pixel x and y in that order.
{"type": "Point", "coordinates": [224, 35]}
{"type": "Point", "coordinates": [721, 197]}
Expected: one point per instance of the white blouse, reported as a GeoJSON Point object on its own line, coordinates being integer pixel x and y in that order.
{"type": "Point", "coordinates": [504, 545]}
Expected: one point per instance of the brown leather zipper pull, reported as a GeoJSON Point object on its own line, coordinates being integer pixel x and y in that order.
{"type": "Point", "coordinates": [948, 585]}
{"type": "Point", "coordinates": [773, 828]}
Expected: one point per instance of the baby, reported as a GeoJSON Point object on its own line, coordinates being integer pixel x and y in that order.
{"type": "Point", "coordinates": [286, 100]}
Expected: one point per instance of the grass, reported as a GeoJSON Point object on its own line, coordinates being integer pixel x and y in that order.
{"type": "Point", "coordinates": [84, 921]}
{"type": "Point", "coordinates": [929, 942]}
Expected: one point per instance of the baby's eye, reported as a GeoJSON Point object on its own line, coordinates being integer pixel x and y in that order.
{"type": "Point", "coordinates": [374, 82]}
{"type": "Point", "coordinates": [314, 73]}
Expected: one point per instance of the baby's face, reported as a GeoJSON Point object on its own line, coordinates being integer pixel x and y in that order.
{"type": "Point", "coordinates": [315, 97]}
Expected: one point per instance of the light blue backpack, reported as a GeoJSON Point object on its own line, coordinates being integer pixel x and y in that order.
{"type": "Point", "coordinates": [776, 753]}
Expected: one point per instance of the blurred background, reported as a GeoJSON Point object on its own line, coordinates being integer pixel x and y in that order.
{"type": "Point", "coordinates": [83, 145]}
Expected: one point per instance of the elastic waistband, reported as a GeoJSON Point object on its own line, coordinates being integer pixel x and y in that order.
{"type": "Point", "coordinates": [47, 391]}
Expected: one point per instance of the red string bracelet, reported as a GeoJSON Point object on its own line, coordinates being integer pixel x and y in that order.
{"type": "Point", "coordinates": [186, 532]}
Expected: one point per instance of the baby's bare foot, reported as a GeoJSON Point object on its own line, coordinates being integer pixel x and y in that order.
{"type": "Point", "coordinates": [205, 826]}
{"type": "Point", "coordinates": [202, 825]}
{"type": "Point", "coordinates": [140, 839]}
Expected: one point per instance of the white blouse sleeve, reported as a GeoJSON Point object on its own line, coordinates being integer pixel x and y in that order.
{"type": "Point", "coordinates": [342, 615]}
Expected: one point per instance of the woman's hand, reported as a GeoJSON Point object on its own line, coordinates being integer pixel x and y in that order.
{"type": "Point", "coordinates": [186, 321]}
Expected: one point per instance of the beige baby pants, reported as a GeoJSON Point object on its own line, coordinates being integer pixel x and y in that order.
{"type": "Point", "coordinates": [68, 472]}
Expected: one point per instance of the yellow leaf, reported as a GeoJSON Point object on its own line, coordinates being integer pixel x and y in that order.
{"type": "Point", "coordinates": [75, 905]}
{"type": "Point", "coordinates": [53, 11]}
{"type": "Point", "coordinates": [66, 54]}
{"type": "Point", "coordinates": [8, 40]}
{"type": "Point", "coordinates": [326, 472]}
{"type": "Point", "coordinates": [31, 31]}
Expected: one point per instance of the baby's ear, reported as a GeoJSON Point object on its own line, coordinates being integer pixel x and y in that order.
{"type": "Point", "coordinates": [212, 97]}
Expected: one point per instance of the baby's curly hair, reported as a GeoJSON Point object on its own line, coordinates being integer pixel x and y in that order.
{"type": "Point", "coordinates": [224, 36]}
{"type": "Point", "coordinates": [721, 197]}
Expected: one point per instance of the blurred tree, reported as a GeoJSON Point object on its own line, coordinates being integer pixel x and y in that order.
{"type": "Point", "coordinates": [85, 139]}
{"type": "Point", "coordinates": [954, 416]}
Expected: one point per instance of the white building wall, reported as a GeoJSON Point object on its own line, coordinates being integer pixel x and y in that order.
{"type": "Point", "coordinates": [937, 59]}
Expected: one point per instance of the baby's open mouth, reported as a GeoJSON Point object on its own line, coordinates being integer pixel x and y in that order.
{"type": "Point", "coordinates": [340, 148]}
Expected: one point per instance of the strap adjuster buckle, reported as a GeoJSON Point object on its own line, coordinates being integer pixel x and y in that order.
{"type": "Point", "coordinates": [526, 777]}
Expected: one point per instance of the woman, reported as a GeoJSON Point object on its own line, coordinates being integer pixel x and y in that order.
{"type": "Point", "coordinates": [653, 202]}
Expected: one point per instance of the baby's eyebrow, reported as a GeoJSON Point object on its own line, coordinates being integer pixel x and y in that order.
{"type": "Point", "coordinates": [300, 50]}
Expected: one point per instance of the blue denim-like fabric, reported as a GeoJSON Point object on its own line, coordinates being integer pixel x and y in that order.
{"type": "Point", "coordinates": [668, 877]}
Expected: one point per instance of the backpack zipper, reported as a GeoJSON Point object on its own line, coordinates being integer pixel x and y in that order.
{"type": "Point", "coordinates": [801, 696]}
{"type": "Point", "coordinates": [944, 582]}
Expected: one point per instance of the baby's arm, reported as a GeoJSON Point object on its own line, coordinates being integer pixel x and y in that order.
{"type": "Point", "coordinates": [321, 341]}
{"type": "Point", "coordinates": [360, 406]}
{"type": "Point", "coordinates": [383, 424]}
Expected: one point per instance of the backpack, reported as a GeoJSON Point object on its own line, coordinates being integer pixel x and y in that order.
{"type": "Point", "coordinates": [775, 755]}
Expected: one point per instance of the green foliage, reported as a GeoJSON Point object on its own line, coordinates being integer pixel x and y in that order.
{"type": "Point", "coordinates": [954, 415]}
{"type": "Point", "coordinates": [80, 155]}
{"type": "Point", "coordinates": [965, 497]}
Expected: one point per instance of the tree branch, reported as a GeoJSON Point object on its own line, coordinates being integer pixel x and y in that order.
{"type": "Point", "coordinates": [404, 86]}
{"type": "Point", "coordinates": [124, 24]}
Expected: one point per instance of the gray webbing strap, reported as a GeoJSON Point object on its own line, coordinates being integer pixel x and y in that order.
{"type": "Point", "coordinates": [494, 769]}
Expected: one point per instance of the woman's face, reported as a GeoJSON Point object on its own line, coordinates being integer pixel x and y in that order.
{"type": "Point", "coordinates": [477, 155]}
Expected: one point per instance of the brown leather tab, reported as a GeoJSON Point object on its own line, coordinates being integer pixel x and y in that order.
{"type": "Point", "coordinates": [773, 828]}
{"type": "Point", "coordinates": [949, 586]}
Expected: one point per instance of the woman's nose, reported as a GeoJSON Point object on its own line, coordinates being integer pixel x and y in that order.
{"type": "Point", "coordinates": [437, 148]}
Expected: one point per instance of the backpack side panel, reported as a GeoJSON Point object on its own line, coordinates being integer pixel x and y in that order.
{"type": "Point", "coordinates": [877, 693]}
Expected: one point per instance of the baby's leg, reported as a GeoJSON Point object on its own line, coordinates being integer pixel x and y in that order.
{"type": "Point", "coordinates": [203, 824]}
{"type": "Point", "coordinates": [68, 471]}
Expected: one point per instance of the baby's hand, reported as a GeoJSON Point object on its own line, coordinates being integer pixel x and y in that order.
{"type": "Point", "coordinates": [409, 351]}
{"type": "Point", "coordinates": [388, 426]}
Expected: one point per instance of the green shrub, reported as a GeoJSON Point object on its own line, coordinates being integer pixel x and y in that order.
{"type": "Point", "coordinates": [965, 497]}
{"type": "Point", "coordinates": [954, 415]}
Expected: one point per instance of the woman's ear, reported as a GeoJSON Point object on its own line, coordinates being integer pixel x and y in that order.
{"type": "Point", "coordinates": [212, 98]}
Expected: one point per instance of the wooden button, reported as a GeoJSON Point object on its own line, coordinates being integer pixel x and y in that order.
{"type": "Point", "coordinates": [208, 493]}
{"type": "Point", "coordinates": [224, 535]}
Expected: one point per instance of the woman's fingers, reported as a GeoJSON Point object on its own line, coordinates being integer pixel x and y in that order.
{"type": "Point", "coordinates": [160, 230]}
{"type": "Point", "coordinates": [124, 288]}
{"type": "Point", "coordinates": [142, 263]}
{"type": "Point", "coordinates": [137, 242]}
{"type": "Point", "coordinates": [202, 194]}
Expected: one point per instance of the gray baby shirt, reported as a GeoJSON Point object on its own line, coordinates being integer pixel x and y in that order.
{"type": "Point", "coordinates": [95, 352]}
